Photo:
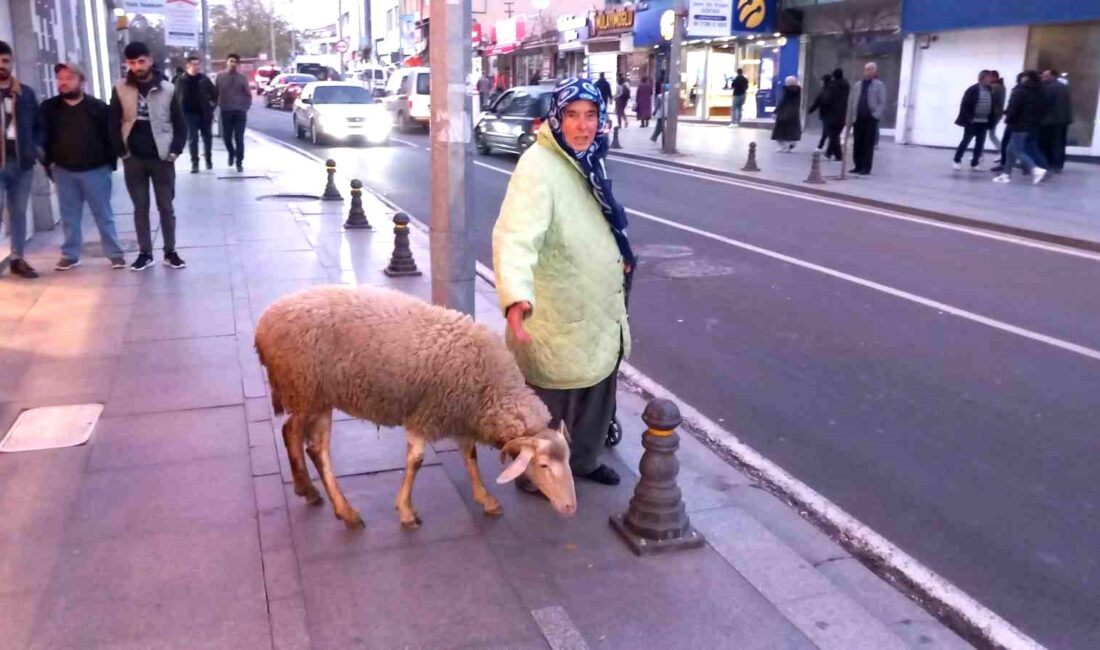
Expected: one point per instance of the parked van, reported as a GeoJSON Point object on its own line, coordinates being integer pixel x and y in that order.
{"type": "Point", "coordinates": [373, 78]}
{"type": "Point", "coordinates": [408, 97]}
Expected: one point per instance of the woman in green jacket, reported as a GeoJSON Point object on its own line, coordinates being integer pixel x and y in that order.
{"type": "Point", "coordinates": [563, 263]}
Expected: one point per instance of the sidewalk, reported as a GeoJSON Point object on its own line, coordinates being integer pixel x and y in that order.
{"type": "Point", "coordinates": [908, 178]}
{"type": "Point", "coordinates": [176, 526]}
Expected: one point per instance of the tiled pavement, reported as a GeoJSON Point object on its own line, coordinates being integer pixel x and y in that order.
{"type": "Point", "coordinates": [176, 525]}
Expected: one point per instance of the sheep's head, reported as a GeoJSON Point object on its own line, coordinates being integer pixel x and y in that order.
{"type": "Point", "coordinates": [544, 459]}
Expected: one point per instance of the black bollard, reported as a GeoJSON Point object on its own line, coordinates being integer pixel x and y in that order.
{"type": "Point", "coordinates": [357, 218]}
{"type": "Point", "coordinates": [815, 170]}
{"type": "Point", "coordinates": [615, 139]}
{"type": "Point", "coordinates": [402, 263]}
{"type": "Point", "coordinates": [331, 193]}
{"type": "Point", "coordinates": [657, 521]}
{"type": "Point", "coordinates": [750, 164]}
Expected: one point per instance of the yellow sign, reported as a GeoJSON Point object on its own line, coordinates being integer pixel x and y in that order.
{"type": "Point", "coordinates": [614, 20]}
{"type": "Point", "coordinates": [668, 24]}
{"type": "Point", "coordinates": [751, 12]}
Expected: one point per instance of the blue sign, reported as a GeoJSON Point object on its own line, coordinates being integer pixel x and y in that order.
{"type": "Point", "coordinates": [942, 15]}
{"type": "Point", "coordinates": [653, 20]}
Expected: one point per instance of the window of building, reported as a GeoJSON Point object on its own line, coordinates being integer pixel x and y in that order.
{"type": "Point", "coordinates": [1074, 50]}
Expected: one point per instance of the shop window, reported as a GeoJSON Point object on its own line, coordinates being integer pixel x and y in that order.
{"type": "Point", "coordinates": [850, 54]}
{"type": "Point", "coordinates": [1074, 50]}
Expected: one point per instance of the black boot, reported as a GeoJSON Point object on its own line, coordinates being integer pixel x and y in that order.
{"type": "Point", "coordinates": [194, 166]}
{"type": "Point", "coordinates": [209, 161]}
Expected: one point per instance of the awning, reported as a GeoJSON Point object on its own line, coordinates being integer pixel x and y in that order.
{"type": "Point", "coordinates": [497, 50]}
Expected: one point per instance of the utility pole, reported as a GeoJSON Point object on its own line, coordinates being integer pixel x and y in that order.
{"type": "Point", "coordinates": [274, 57]}
{"type": "Point", "coordinates": [205, 36]}
{"type": "Point", "coordinates": [340, 31]}
{"type": "Point", "coordinates": [676, 54]}
{"type": "Point", "coordinates": [452, 163]}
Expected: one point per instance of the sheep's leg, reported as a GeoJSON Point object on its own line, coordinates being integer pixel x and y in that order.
{"type": "Point", "coordinates": [320, 432]}
{"type": "Point", "coordinates": [414, 458]}
{"type": "Point", "coordinates": [295, 440]}
{"type": "Point", "coordinates": [481, 495]}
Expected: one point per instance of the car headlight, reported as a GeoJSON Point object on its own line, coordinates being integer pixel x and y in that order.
{"type": "Point", "coordinates": [377, 130]}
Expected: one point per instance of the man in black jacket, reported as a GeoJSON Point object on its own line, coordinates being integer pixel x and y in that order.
{"type": "Point", "coordinates": [78, 156]}
{"type": "Point", "coordinates": [197, 97]}
{"type": "Point", "coordinates": [1026, 107]}
{"type": "Point", "coordinates": [20, 136]}
{"type": "Point", "coordinates": [975, 116]}
{"type": "Point", "coordinates": [1055, 125]}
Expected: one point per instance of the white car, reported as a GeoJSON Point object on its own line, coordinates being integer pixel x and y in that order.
{"type": "Point", "coordinates": [340, 111]}
{"type": "Point", "coordinates": [409, 97]}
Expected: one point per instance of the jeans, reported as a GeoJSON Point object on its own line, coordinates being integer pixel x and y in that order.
{"type": "Point", "coordinates": [196, 126]}
{"type": "Point", "coordinates": [1018, 153]}
{"type": "Point", "coordinates": [93, 187]}
{"type": "Point", "coordinates": [976, 132]}
{"type": "Point", "coordinates": [15, 194]}
{"type": "Point", "coordinates": [738, 109]}
{"type": "Point", "coordinates": [139, 172]}
{"type": "Point", "coordinates": [659, 130]}
{"type": "Point", "coordinates": [233, 123]}
{"type": "Point", "coordinates": [863, 145]}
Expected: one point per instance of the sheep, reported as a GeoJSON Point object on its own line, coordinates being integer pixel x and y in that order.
{"type": "Point", "coordinates": [394, 360]}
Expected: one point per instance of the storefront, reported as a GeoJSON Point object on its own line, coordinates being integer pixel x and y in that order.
{"type": "Point", "coordinates": [945, 50]}
{"type": "Point", "coordinates": [500, 56]}
{"type": "Point", "coordinates": [610, 45]}
{"type": "Point", "coordinates": [572, 33]}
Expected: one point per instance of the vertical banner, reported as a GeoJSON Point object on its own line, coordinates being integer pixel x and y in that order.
{"type": "Point", "coordinates": [181, 23]}
{"type": "Point", "coordinates": [709, 18]}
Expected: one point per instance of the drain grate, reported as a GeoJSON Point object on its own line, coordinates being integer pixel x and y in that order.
{"type": "Point", "coordinates": [245, 178]}
{"type": "Point", "coordinates": [52, 427]}
{"type": "Point", "coordinates": [288, 197]}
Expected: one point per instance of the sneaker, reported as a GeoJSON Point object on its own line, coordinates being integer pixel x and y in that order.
{"type": "Point", "coordinates": [209, 162]}
{"type": "Point", "coordinates": [194, 167]}
{"type": "Point", "coordinates": [1003, 178]}
{"type": "Point", "coordinates": [143, 261]}
{"type": "Point", "coordinates": [1038, 175]}
{"type": "Point", "coordinates": [957, 166]}
{"type": "Point", "coordinates": [174, 261]}
{"type": "Point", "coordinates": [118, 262]}
{"type": "Point", "coordinates": [23, 270]}
{"type": "Point", "coordinates": [603, 475]}
{"type": "Point", "coordinates": [65, 264]}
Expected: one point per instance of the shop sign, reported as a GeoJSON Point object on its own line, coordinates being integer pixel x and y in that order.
{"type": "Point", "coordinates": [711, 18]}
{"type": "Point", "coordinates": [181, 23]}
{"type": "Point", "coordinates": [612, 21]}
{"type": "Point", "coordinates": [475, 35]}
{"type": "Point", "coordinates": [572, 23]}
{"type": "Point", "coordinates": [144, 6]}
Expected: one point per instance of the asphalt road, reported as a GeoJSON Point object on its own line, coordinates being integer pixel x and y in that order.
{"type": "Point", "coordinates": [941, 387]}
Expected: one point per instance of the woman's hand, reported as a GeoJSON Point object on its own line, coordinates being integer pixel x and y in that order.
{"type": "Point", "coordinates": [516, 314]}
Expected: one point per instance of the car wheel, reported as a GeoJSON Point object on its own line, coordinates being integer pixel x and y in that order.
{"type": "Point", "coordinates": [402, 122]}
{"type": "Point", "coordinates": [297, 129]}
{"type": "Point", "coordinates": [315, 134]}
{"type": "Point", "coordinates": [267, 101]}
{"type": "Point", "coordinates": [482, 147]}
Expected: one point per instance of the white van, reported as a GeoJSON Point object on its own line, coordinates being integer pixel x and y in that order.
{"type": "Point", "coordinates": [372, 78]}
{"type": "Point", "coordinates": [408, 97]}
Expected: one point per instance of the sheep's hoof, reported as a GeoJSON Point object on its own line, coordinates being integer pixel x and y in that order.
{"type": "Point", "coordinates": [412, 524]}
{"type": "Point", "coordinates": [492, 507]}
{"type": "Point", "coordinates": [352, 521]}
{"type": "Point", "coordinates": [310, 494]}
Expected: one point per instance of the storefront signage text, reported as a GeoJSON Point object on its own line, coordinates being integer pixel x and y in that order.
{"type": "Point", "coordinates": [613, 20]}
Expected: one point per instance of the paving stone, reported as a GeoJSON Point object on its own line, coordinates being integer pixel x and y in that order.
{"type": "Point", "coordinates": [183, 316]}
{"type": "Point", "coordinates": [170, 437]}
{"type": "Point", "coordinates": [874, 594]}
{"type": "Point", "coordinates": [38, 490]}
{"type": "Point", "coordinates": [264, 462]}
{"type": "Point", "coordinates": [17, 623]}
{"type": "Point", "coordinates": [175, 391]}
{"type": "Point", "coordinates": [260, 434]}
{"type": "Point", "coordinates": [289, 625]}
{"type": "Point", "coordinates": [928, 635]}
{"type": "Point", "coordinates": [281, 574]}
{"type": "Point", "coordinates": [782, 520]}
{"type": "Point", "coordinates": [78, 381]}
{"type": "Point", "coordinates": [258, 409]}
{"type": "Point", "coordinates": [834, 621]}
{"type": "Point", "coordinates": [269, 493]}
{"type": "Point", "coordinates": [358, 447]}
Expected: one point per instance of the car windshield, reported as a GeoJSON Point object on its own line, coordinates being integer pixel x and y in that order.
{"type": "Point", "coordinates": [342, 95]}
{"type": "Point", "coordinates": [299, 79]}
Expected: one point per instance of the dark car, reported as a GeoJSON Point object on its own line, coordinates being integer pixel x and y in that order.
{"type": "Point", "coordinates": [284, 90]}
{"type": "Point", "coordinates": [513, 120]}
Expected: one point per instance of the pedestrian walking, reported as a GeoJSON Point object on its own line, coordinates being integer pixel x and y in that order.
{"type": "Point", "coordinates": [1026, 108]}
{"type": "Point", "coordinates": [604, 86]}
{"type": "Point", "coordinates": [659, 114]}
{"type": "Point", "coordinates": [822, 103]}
{"type": "Point", "coordinates": [788, 117]}
{"type": "Point", "coordinates": [78, 156]}
{"type": "Point", "coordinates": [234, 100]}
{"type": "Point", "coordinates": [997, 88]}
{"type": "Point", "coordinates": [865, 109]}
{"type": "Point", "coordinates": [622, 100]}
{"type": "Point", "coordinates": [836, 113]}
{"type": "Point", "coordinates": [740, 87]}
{"type": "Point", "coordinates": [1054, 128]}
{"type": "Point", "coordinates": [21, 127]}
{"type": "Point", "coordinates": [643, 104]}
{"type": "Point", "coordinates": [563, 267]}
{"type": "Point", "coordinates": [197, 97]}
{"type": "Point", "coordinates": [148, 132]}
{"type": "Point", "coordinates": [975, 116]}
{"type": "Point", "coordinates": [485, 90]}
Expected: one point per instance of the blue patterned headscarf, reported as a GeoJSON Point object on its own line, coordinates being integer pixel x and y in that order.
{"type": "Point", "coordinates": [591, 160]}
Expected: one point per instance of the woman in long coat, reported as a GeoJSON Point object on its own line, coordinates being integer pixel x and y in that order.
{"type": "Point", "coordinates": [788, 116]}
{"type": "Point", "coordinates": [644, 101]}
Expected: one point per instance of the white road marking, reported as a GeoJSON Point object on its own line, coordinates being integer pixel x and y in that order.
{"type": "Point", "coordinates": [847, 277]}
{"type": "Point", "coordinates": [404, 142]}
{"type": "Point", "coordinates": [558, 629]}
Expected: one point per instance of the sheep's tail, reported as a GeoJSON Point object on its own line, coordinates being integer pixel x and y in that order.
{"type": "Point", "coordinates": [276, 401]}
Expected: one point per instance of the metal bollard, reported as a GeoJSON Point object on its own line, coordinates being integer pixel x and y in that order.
{"type": "Point", "coordinates": [402, 263]}
{"type": "Point", "coordinates": [615, 139]}
{"type": "Point", "coordinates": [750, 164]}
{"type": "Point", "coordinates": [656, 521]}
{"type": "Point", "coordinates": [815, 170]}
{"type": "Point", "coordinates": [331, 193]}
{"type": "Point", "coordinates": [357, 218]}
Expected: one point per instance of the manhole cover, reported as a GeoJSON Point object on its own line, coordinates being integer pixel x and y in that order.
{"type": "Point", "coordinates": [52, 427]}
{"type": "Point", "coordinates": [662, 251]}
{"type": "Point", "coordinates": [245, 178]}
{"type": "Point", "coordinates": [288, 197]}
{"type": "Point", "coordinates": [692, 268]}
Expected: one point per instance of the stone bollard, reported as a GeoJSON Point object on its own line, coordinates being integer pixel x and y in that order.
{"type": "Point", "coordinates": [615, 139]}
{"type": "Point", "coordinates": [357, 218]}
{"type": "Point", "coordinates": [656, 521]}
{"type": "Point", "coordinates": [401, 263]}
{"type": "Point", "coordinates": [331, 193]}
{"type": "Point", "coordinates": [815, 170]}
{"type": "Point", "coordinates": [750, 164]}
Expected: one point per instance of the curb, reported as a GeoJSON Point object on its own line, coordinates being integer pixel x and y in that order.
{"type": "Point", "coordinates": [801, 188]}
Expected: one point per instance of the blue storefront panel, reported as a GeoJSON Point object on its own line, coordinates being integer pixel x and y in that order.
{"type": "Point", "coordinates": [943, 15]}
{"type": "Point", "coordinates": [762, 14]}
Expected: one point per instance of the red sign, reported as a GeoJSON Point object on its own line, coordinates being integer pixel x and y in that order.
{"type": "Point", "coordinates": [341, 46]}
{"type": "Point", "coordinates": [475, 35]}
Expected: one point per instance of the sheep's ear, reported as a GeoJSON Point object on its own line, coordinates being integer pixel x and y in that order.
{"type": "Point", "coordinates": [518, 466]}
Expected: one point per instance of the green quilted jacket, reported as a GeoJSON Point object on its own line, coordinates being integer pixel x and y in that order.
{"type": "Point", "coordinates": [553, 248]}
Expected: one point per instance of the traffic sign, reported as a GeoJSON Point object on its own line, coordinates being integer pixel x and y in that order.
{"type": "Point", "coordinates": [341, 46]}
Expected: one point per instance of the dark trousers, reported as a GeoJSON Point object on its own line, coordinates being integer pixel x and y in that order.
{"type": "Point", "coordinates": [659, 130]}
{"type": "Point", "coordinates": [824, 136]}
{"type": "Point", "coordinates": [198, 125]}
{"type": "Point", "coordinates": [863, 144]}
{"type": "Point", "coordinates": [139, 173]}
{"type": "Point", "coordinates": [833, 135]}
{"type": "Point", "coordinates": [587, 414]}
{"type": "Point", "coordinates": [233, 123]}
{"type": "Point", "coordinates": [1006, 137]}
{"type": "Point", "coordinates": [976, 132]}
{"type": "Point", "coordinates": [1052, 144]}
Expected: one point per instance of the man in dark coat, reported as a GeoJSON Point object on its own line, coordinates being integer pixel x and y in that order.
{"type": "Point", "coordinates": [197, 97]}
{"type": "Point", "coordinates": [975, 115]}
{"type": "Point", "coordinates": [1026, 108]}
{"type": "Point", "coordinates": [604, 86]}
{"type": "Point", "coordinates": [1055, 125]}
{"type": "Point", "coordinates": [822, 103]}
{"type": "Point", "coordinates": [837, 111]}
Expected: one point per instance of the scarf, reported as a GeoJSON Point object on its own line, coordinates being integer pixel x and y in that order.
{"type": "Point", "coordinates": [592, 159]}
